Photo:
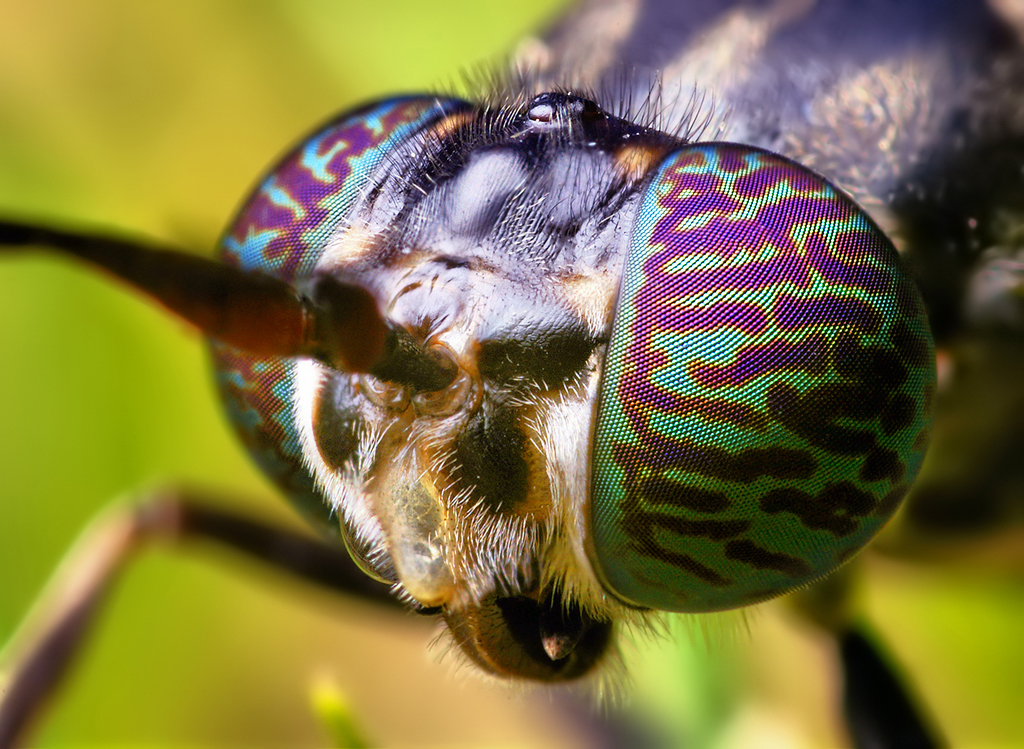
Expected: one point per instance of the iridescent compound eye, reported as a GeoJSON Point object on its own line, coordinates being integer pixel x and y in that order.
{"type": "Point", "coordinates": [282, 230]}
{"type": "Point", "coordinates": [766, 391]}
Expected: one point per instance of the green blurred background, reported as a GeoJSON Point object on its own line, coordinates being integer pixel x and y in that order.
{"type": "Point", "coordinates": [155, 118]}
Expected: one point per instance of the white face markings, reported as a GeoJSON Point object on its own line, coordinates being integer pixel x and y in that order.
{"type": "Point", "coordinates": [481, 549]}
{"type": "Point", "coordinates": [591, 296]}
{"type": "Point", "coordinates": [569, 181]}
{"type": "Point", "coordinates": [348, 245]}
{"type": "Point", "coordinates": [344, 490]}
{"type": "Point", "coordinates": [482, 189]}
{"type": "Point", "coordinates": [565, 424]}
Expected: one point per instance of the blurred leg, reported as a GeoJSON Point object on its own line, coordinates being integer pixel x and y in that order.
{"type": "Point", "coordinates": [880, 713]}
{"type": "Point", "coordinates": [878, 707]}
{"type": "Point", "coordinates": [32, 667]}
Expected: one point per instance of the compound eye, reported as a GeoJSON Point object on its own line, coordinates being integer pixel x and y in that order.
{"type": "Point", "coordinates": [281, 230]}
{"type": "Point", "coordinates": [765, 402]}
{"type": "Point", "coordinates": [283, 227]}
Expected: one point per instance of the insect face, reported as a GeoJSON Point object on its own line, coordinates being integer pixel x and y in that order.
{"type": "Point", "coordinates": [495, 242]}
{"type": "Point", "coordinates": [724, 343]}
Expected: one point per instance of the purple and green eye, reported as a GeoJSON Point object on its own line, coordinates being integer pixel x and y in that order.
{"type": "Point", "coordinates": [765, 403]}
{"type": "Point", "coordinates": [766, 386]}
{"type": "Point", "coordinates": [282, 230]}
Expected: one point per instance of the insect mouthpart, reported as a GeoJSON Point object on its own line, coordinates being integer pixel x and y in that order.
{"type": "Point", "coordinates": [543, 639]}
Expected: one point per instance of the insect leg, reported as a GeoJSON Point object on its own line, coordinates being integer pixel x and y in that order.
{"type": "Point", "coordinates": [32, 667]}
{"type": "Point", "coordinates": [879, 711]}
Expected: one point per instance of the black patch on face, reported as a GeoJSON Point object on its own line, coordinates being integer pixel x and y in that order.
{"type": "Point", "coordinates": [746, 551]}
{"type": "Point", "coordinates": [336, 422]}
{"type": "Point", "coordinates": [490, 458]}
{"type": "Point", "coordinates": [552, 354]}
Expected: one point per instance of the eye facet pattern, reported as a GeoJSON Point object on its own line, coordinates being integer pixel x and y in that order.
{"type": "Point", "coordinates": [281, 230]}
{"type": "Point", "coordinates": [767, 386]}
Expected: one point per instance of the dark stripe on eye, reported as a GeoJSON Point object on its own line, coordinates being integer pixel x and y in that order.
{"type": "Point", "coordinates": [715, 530]}
{"type": "Point", "coordinates": [813, 414]}
{"type": "Point", "coordinates": [882, 464]}
{"type": "Point", "coordinates": [686, 563]}
{"type": "Point", "coordinates": [489, 456]}
{"type": "Point", "coordinates": [836, 509]}
{"type": "Point", "coordinates": [879, 367]}
{"type": "Point", "coordinates": [640, 524]}
{"type": "Point", "coordinates": [336, 422]}
{"type": "Point", "coordinates": [898, 413]}
{"type": "Point", "coordinates": [743, 466]}
{"type": "Point", "coordinates": [911, 347]}
{"type": "Point", "coordinates": [659, 490]}
{"type": "Point", "coordinates": [746, 551]}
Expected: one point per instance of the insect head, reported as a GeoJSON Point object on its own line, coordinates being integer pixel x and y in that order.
{"type": "Point", "coordinates": [622, 371]}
